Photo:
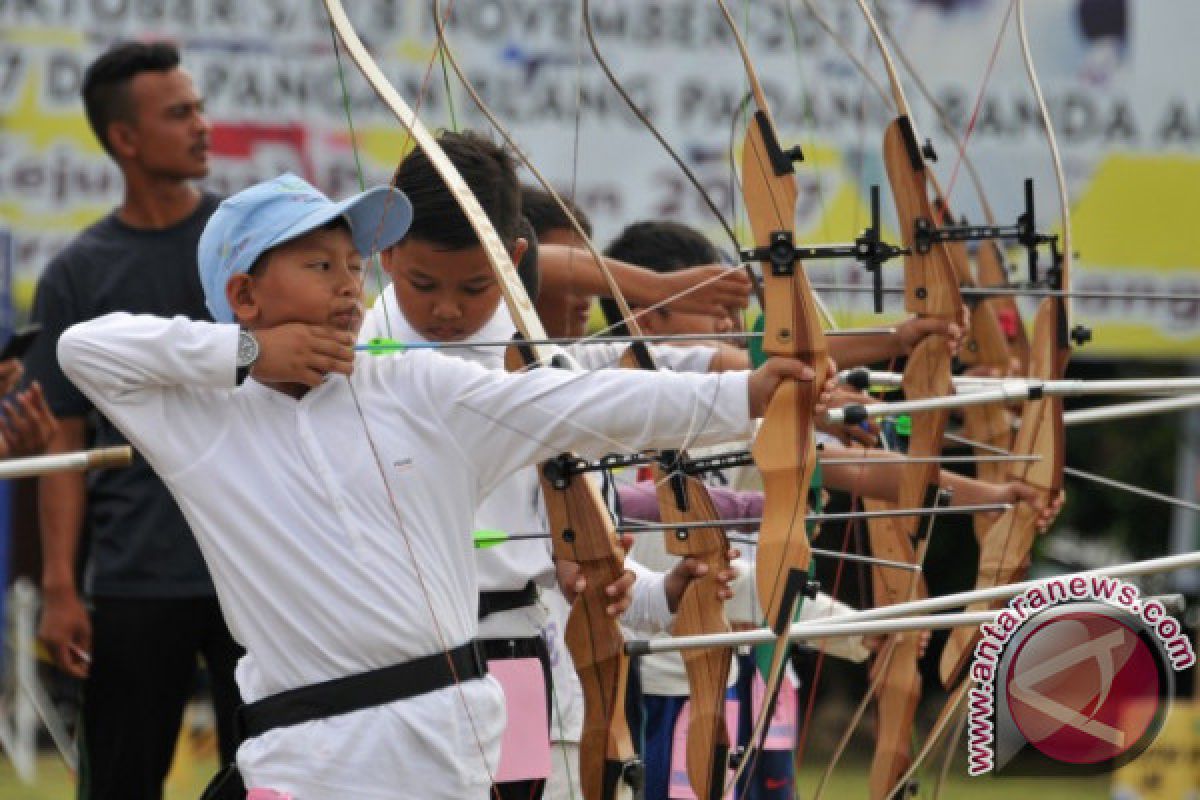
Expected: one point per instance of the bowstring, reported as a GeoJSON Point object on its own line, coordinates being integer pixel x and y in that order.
{"type": "Point", "coordinates": [379, 464]}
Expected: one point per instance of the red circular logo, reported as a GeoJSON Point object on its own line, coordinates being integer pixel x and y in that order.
{"type": "Point", "coordinates": [1083, 688]}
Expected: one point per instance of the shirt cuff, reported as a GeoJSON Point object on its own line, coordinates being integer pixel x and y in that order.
{"type": "Point", "coordinates": [648, 611]}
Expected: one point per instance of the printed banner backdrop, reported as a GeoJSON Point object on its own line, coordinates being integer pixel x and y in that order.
{"type": "Point", "coordinates": [1116, 74]}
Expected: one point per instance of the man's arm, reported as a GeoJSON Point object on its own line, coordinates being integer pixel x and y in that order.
{"type": "Point", "coordinates": [66, 629]}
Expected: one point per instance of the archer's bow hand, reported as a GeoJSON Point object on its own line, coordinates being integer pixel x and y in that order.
{"type": "Point", "coordinates": [296, 352]}
{"type": "Point", "coordinates": [1018, 492]}
{"type": "Point", "coordinates": [714, 290]}
{"type": "Point", "coordinates": [910, 333]}
{"type": "Point", "coordinates": [619, 593]}
{"type": "Point", "coordinates": [688, 570]}
{"type": "Point", "coordinates": [865, 433]}
{"type": "Point", "coordinates": [765, 380]}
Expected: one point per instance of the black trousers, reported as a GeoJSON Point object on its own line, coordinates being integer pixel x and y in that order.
{"type": "Point", "coordinates": [144, 662]}
{"type": "Point", "coordinates": [533, 647]}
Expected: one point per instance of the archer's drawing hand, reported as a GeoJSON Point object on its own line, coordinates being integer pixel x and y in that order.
{"type": "Point", "coordinates": [296, 352]}
{"type": "Point", "coordinates": [711, 290]}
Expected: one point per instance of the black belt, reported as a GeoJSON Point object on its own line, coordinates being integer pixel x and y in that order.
{"type": "Point", "coordinates": [364, 690]}
{"type": "Point", "coordinates": [495, 602]}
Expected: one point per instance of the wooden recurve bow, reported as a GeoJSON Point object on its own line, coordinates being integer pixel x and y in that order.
{"type": "Point", "coordinates": [1004, 551]}
{"type": "Point", "coordinates": [784, 449]}
{"type": "Point", "coordinates": [931, 290]}
{"type": "Point", "coordinates": [682, 498]}
{"type": "Point", "coordinates": [582, 529]}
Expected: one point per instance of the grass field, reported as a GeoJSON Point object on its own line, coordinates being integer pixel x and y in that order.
{"type": "Point", "coordinates": [55, 783]}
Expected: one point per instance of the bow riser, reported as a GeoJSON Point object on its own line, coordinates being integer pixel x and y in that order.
{"type": "Point", "coordinates": [787, 457]}
{"type": "Point", "coordinates": [592, 637]}
{"type": "Point", "coordinates": [701, 610]}
{"type": "Point", "coordinates": [927, 374]}
{"type": "Point", "coordinates": [931, 286]}
{"type": "Point", "coordinates": [985, 345]}
{"type": "Point", "coordinates": [1005, 547]}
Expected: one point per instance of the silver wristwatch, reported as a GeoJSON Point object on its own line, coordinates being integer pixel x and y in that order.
{"type": "Point", "coordinates": [247, 354]}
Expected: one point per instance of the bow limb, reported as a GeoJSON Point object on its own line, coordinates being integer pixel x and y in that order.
{"type": "Point", "coordinates": [931, 283]}
{"type": "Point", "coordinates": [895, 680]}
{"type": "Point", "coordinates": [519, 306]}
{"type": "Point", "coordinates": [584, 532]}
{"type": "Point", "coordinates": [590, 34]}
{"type": "Point", "coordinates": [685, 499]}
{"type": "Point", "coordinates": [1004, 553]}
{"type": "Point", "coordinates": [784, 449]}
{"type": "Point", "coordinates": [894, 673]}
{"type": "Point", "coordinates": [986, 342]}
{"type": "Point", "coordinates": [990, 269]}
{"type": "Point", "coordinates": [681, 499]}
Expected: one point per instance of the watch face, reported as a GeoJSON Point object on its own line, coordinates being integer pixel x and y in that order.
{"type": "Point", "coordinates": [247, 351]}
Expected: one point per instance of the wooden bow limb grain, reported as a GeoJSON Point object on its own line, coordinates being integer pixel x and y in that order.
{"type": "Point", "coordinates": [584, 533]}
{"type": "Point", "coordinates": [931, 290]}
{"type": "Point", "coordinates": [700, 609]}
{"type": "Point", "coordinates": [785, 447]}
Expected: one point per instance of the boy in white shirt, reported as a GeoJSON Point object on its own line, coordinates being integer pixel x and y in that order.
{"type": "Point", "coordinates": [443, 290]}
{"type": "Point", "coordinates": [332, 494]}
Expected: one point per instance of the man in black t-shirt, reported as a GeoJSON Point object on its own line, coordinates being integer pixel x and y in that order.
{"type": "Point", "coordinates": [153, 609]}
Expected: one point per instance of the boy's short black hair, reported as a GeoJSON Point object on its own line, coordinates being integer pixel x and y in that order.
{"type": "Point", "coordinates": [544, 214]}
{"type": "Point", "coordinates": [490, 174]}
{"type": "Point", "coordinates": [106, 95]}
{"type": "Point", "coordinates": [663, 246]}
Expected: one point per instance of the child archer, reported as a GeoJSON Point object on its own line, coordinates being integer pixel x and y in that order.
{"type": "Point", "coordinates": [443, 289]}
{"type": "Point", "coordinates": [332, 494]}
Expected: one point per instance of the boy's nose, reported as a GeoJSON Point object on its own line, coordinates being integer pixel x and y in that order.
{"type": "Point", "coordinates": [446, 310]}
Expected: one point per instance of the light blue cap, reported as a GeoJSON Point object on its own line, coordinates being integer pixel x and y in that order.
{"type": "Point", "coordinates": [270, 213]}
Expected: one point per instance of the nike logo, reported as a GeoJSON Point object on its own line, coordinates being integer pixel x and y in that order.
{"type": "Point", "coordinates": [777, 783]}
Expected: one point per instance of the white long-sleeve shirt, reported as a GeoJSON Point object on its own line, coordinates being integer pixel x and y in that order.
{"type": "Point", "coordinates": [515, 505]}
{"type": "Point", "coordinates": [337, 526]}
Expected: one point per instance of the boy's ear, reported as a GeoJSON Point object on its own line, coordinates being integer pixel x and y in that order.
{"type": "Point", "coordinates": [239, 291]}
{"type": "Point", "coordinates": [388, 260]}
